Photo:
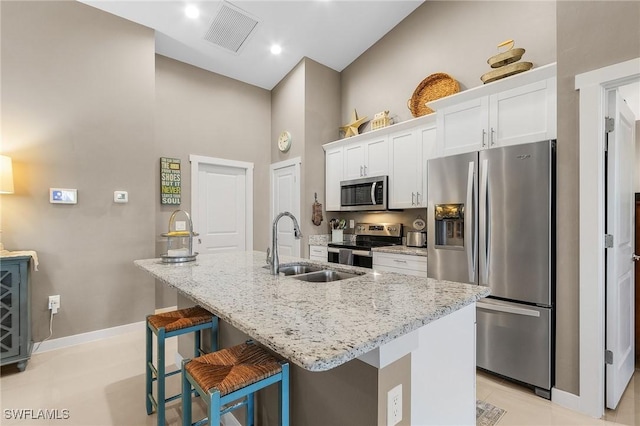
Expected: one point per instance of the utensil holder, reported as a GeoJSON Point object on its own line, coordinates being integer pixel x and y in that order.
{"type": "Point", "coordinates": [337, 235]}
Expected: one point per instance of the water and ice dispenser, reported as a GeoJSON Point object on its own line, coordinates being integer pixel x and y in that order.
{"type": "Point", "coordinates": [449, 232]}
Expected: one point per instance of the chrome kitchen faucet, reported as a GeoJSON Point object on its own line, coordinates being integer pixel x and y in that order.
{"type": "Point", "coordinates": [272, 254]}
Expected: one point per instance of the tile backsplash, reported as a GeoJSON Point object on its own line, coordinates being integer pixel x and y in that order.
{"type": "Point", "coordinates": [406, 217]}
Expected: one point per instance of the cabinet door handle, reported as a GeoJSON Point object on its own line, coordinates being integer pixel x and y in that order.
{"type": "Point", "coordinates": [399, 261]}
{"type": "Point", "coordinates": [484, 132]}
{"type": "Point", "coordinates": [493, 138]}
{"type": "Point", "coordinates": [365, 170]}
{"type": "Point", "coordinates": [360, 171]}
{"type": "Point", "coordinates": [417, 198]}
{"type": "Point", "coordinates": [412, 199]}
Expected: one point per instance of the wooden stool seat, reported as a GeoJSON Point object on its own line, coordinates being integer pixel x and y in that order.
{"type": "Point", "coordinates": [182, 318]}
{"type": "Point", "coordinates": [231, 369]}
{"type": "Point", "coordinates": [232, 374]}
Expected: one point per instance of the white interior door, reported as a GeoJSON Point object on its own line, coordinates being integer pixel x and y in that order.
{"type": "Point", "coordinates": [222, 191]}
{"type": "Point", "coordinates": [620, 266]}
{"type": "Point", "coordinates": [285, 196]}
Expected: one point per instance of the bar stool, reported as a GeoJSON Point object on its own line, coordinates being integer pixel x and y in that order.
{"type": "Point", "coordinates": [231, 374]}
{"type": "Point", "coordinates": [164, 326]}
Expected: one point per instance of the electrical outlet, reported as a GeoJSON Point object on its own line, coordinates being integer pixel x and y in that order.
{"type": "Point", "coordinates": [394, 406]}
{"type": "Point", "coordinates": [54, 303]}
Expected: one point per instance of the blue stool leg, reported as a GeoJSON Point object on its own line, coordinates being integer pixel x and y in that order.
{"type": "Point", "coordinates": [161, 377]}
{"type": "Point", "coordinates": [186, 397]}
{"type": "Point", "coordinates": [214, 409]}
{"type": "Point", "coordinates": [148, 374]}
{"type": "Point", "coordinates": [284, 395]}
{"type": "Point", "coordinates": [214, 334]}
{"type": "Point", "coordinates": [197, 343]}
{"type": "Point", "coordinates": [250, 409]}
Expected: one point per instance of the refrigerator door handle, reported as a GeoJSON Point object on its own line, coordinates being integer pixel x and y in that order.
{"type": "Point", "coordinates": [485, 223]}
{"type": "Point", "coordinates": [470, 226]}
{"type": "Point", "coordinates": [507, 309]}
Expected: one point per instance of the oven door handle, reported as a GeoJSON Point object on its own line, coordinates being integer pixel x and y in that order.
{"type": "Point", "coordinates": [365, 253]}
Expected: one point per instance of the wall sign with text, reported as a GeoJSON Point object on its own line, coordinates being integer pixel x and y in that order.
{"type": "Point", "coordinates": [170, 179]}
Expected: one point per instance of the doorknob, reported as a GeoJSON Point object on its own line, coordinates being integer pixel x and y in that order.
{"type": "Point", "coordinates": [635, 257]}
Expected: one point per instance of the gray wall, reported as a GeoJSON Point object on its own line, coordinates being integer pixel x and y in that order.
{"type": "Point", "coordinates": [322, 119]}
{"type": "Point", "coordinates": [454, 37]}
{"type": "Point", "coordinates": [306, 103]}
{"type": "Point", "coordinates": [88, 105]}
{"type": "Point", "coordinates": [77, 112]}
{"type": "Point", "coordinates": [591, 35]}
{"type": "Point", "coordinates": [202, 113]}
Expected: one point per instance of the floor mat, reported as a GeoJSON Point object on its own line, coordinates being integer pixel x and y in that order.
{"type": "Point", "coordinates": [487, 414]}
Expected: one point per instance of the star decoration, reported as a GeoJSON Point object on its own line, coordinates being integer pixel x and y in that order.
{"type": "Point", "coordinates": [351, 129]}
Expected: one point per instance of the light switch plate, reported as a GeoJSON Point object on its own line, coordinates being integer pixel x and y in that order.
{"type": "Point", "coordinates": [120, 197]}
{"type": "Point", "coordinates": [63, 196]}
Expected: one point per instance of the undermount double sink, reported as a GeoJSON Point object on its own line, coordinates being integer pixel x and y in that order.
{"type": "Point", "coordinates": [315, 274]}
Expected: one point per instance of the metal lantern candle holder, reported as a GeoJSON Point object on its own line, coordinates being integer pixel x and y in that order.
{"type": "Point", "coordinates": [179, 239]}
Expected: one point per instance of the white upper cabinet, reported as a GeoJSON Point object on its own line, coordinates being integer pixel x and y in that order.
{"type": "Point", "coordinates": [464, 126]}
{"type": "Point", "coordinates": [524, 114]}
{"type": "Point", "coordinates": [333, 175]}
{"type": "Point", "coordinates": [516, 110]}
{"type": "Point", "coordinates": [408, 154]}
{"type": "Point", "coordinates": [366, 158]}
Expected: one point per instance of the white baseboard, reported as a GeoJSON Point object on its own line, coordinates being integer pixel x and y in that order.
{"type": "Point", "coordinates": [565, 399]}
{"type": "Point", "coordinates": [91, 336]}
{"type": "Point", "coordinates": [167, 309]}
{"type": "Point", "coordinates": [77, 339]}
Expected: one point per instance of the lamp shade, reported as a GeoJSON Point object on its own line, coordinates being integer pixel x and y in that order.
{"type": "Point", "coordinates": [6, 175]}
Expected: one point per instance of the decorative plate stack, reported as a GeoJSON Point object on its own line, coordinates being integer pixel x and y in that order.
{"type": "Point", "coordinates": [506, 63]}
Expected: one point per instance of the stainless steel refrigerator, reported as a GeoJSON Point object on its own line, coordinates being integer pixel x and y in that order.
{"type": "Point", "coordinates": [491, 222]}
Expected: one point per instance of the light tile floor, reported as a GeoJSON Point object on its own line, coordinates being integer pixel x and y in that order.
{"type": "Point", "coordinates": [102, 383]}
{"type": "Point", "coordinates": [523, 407]}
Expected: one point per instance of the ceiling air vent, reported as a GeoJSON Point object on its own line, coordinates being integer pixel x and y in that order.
{"type": "Point", "coordinates": [231, 27]}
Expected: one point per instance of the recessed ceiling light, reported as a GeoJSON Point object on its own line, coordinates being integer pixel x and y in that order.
{"type": "Point", "coordinates": [192, 11]}
{"type": "Point", "coordinates": [276, 49]}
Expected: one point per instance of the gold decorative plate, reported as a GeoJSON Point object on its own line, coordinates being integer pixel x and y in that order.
{"type": "Point", "coordinates": [506, 58]}
{"type": "Point", "coordinates": [434, 87]}
{"type": "Point", "coordinates": [506, 71]}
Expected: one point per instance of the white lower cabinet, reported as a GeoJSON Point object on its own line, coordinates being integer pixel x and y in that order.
{"type": "Point", "coordinates": [318, 253]}
{"type": "Point", "coordinates": [400, 263]}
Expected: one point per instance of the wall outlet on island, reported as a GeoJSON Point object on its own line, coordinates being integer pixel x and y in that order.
{"type": "Point", "coordinates": [394, 406]}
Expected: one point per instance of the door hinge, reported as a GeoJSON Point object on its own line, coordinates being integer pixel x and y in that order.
{"type": "Point", "coordinates": [609, 124]}
{"type": "Point", "coordinates": [608, 357]}
{"type": "Point", "coordinates": [608, 241]}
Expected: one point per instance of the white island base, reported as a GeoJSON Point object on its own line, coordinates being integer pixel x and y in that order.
{"type": "Point", "coordinates": [435, 366]}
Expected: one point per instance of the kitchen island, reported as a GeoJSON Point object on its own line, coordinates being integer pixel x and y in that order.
{"type": "Point", "coordinates": [419, 332]}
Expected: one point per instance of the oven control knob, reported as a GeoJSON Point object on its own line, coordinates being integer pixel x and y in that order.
{"type": "Point", "coordinates": [391, 229]}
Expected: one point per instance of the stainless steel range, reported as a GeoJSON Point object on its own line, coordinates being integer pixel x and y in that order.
{"type": "Point", "coordinates": [368, 236]}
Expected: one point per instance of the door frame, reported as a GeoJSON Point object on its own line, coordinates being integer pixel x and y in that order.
{"type": "Point", "coordinates": [593, 87]}
{"type": "Point", "coordinates": [296, 161]}
{"type": "Point", "coordinates": [195, 161]}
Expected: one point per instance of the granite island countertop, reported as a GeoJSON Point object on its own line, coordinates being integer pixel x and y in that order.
{"type": "Point", "coordinates": [317, 326]}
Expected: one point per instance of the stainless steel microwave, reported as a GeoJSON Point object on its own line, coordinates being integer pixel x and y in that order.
{"type": "Point", "coordinates": [364, 194]}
